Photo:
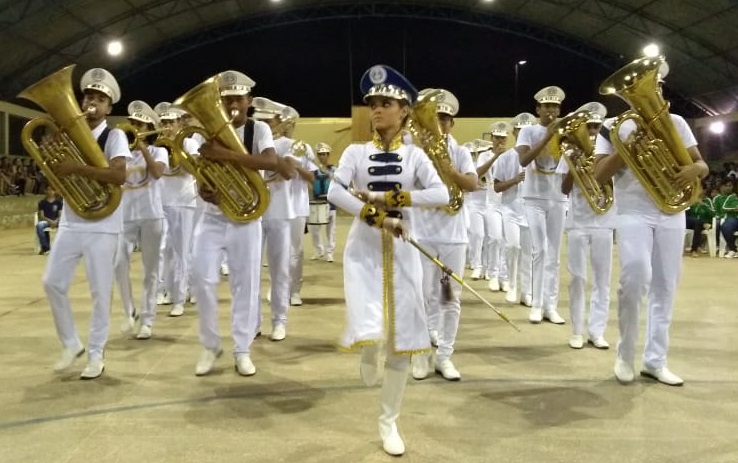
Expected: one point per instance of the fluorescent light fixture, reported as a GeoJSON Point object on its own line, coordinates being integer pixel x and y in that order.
{"type": "Point", "coordinates": [717, 127]}
{"type": "Point", "coordinates": [115, 48]}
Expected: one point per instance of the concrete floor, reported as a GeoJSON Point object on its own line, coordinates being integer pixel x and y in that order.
{"type": "Point", "coordinates": [523, 397]}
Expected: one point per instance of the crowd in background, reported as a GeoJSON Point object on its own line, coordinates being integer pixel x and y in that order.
{"type": "Point", "coordinates": [20, 176]}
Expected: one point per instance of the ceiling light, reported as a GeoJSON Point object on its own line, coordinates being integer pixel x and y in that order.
{"type": "Point", "coordinates": [651, 50]}
{"type": "Point", "coordinates": [521, 62]}
{"type": "Point", "coordinates": [115, 48]}
{"type": "Point", "coordinates": [717, 127]}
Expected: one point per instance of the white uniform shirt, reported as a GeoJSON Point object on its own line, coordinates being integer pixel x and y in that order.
{"type": "Point", "coordinates": [262, 141]}
{"type": "Point", "coordinates": [541, 181]}
{"type": "Point", "coordinates": [507, 167]}
{"type": "Point", "coordinates": [477, 200]}
{"type": "Point", "coordinates": [580, 215]}
{"type": "Point", "coordinates": [300, 189]}
{"type": "Point", "coordinates": [493, 197]}
{"type": "Point", "coordinates": [116, 146]}
{"type": "Point", "coordinates": [180, 189]}
{"type": "Point", "coordinates": [142, 192]}
{"type": "Point", "coordinates": [630, 196]}
{"type": "Point", "coordinates": [436, 225]}
{"type": "Point", "coordinates": [281, 205]}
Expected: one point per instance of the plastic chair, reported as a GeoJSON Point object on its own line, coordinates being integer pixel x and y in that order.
{"type": "Point", "coordinates": [51, 231]}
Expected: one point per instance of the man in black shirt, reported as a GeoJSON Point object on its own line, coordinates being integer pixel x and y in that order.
{"type": "Point", "coordinates": [49, 210]}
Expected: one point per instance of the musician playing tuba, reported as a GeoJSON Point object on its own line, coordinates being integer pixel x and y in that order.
{"type": "Point", "coordinates": [445, 235]}
{"type": "Point", "coordinates": [241, 241]}
{"type": "Point", "coordinates": [588, 233]}
{"type": "Point", "coordinates": [650, 241]}
{"type": "Point", "coordinates": [95, 241]}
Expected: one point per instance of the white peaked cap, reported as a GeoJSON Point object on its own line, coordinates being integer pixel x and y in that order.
{"type": "Point", "coordinates": [264, 108]}
{"type": "Point", "coordinates": [523, 119]}
{"type": "Point", "coordinates": [447, 101]}
{"type": "Point", "coordinates": [234, 83]}
{"type": "Point", "coordinates": [597, 110]}
{"type": "Point", "coordinates": [166, 110]}
{"type": "Point", "coordinates": [102, 81]}
{"type": "Point", "coordinates": [141, 111]}
{"type": "Point", "coordinates": [551, 94]}
{"type": "Point", "coordinates": [500, 129]}
{"type": "Point", "coordinates": [323, 148]}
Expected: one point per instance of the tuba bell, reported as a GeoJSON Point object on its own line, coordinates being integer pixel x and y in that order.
{"type": "Point", "coordinates": [573, 129]}
{"type": "Point", "coordinates": [68, 138]}
{"type": "Point", "coordinates": [244, 195]}
{"type": "Point", "coordinates": [655, 151]}
{"type": "Point", "coordinates": [423, 125]}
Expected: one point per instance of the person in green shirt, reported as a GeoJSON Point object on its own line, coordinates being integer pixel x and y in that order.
{"type": "Point", "coordinates": [699, 217]}
{"type": "Point", "coordinates": [726, 206]}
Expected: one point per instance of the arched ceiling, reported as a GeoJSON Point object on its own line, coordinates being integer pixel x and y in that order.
{"type": "Point", "coordinates": [697, 36]}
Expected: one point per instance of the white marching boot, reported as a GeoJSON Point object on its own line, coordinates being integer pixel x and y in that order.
{"type": "Point", "coordinates": [393, 388]}
{"type": "Point", "coordinates": [369, 364]}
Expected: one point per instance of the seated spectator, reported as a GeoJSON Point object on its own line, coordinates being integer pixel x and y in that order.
{"type": "Point", "coordinates": [699, 218]}
{"type": "Point", "coordinates": [49, 210]}
{"type": "Point", "coordinates": [726, 209]}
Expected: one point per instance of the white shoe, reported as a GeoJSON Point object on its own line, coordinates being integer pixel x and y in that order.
{"type": "Point", "coordinates": [599, 342]}
{"type": "Point", "coordinates": [191, 298]}
{"type": "Point", "coordinates": [329, 257]}
{"type": "Point", "coordinates": [419, 365]}
{"type": "Point", "coordinates": [244, 365]}
{"type": "Point", "coordinates": [295, 299]}
{"type": "Point", "coordinates": [433, 337]}
{"type": "Point", "coordinates": [161, 297]}
{"type": "Point", "coordinates": [504, 286]}
{"type": "Point", "coordinates": [68, 357]}
{"type": "Point", "coordinates": [576, 341]}
{"type": "Point", "coordinates": [393, 444]}
{"type": "Point", "coordinates": [527, 300]}
{"type": "Point", "coordinates": [177, 310]}
{"type": "Point", "coordinates": [206, 362]}
{"type": "Point", "coordinates": [624, 371]}
{"type": "Point", "coordinates": [166, 299]}
{"type": "Point", "coordinates": [369, 364]}
{"type": "Point", "coordinates": [494, 284]}
{"type": "Point", "coordinates": [128, 325]}
{"type": "Point", "coordinates": [93, 369]}
{"type": "Point", "coordinates": [224, 270]}
{"type": "Point", "coordinates": [144, 332]}
{"type": "Point", "coordinates": [554, 317]}
{"type": "Point", "coordinates": [279, 332]}
{"type": "Point", "coordinates": [662, 375]}
{"type": "Point", "coordinates": [476, 274]}
{"type": "Point", "coordinates": [447, 369]}
{"type": "Point", "coordinates": [536, 315]}
{"type": "Point", "coordinates": [730, 254]}
{"type": "Point", "coordinates": [511, 295]}
{"type": "Point", "coordinates": [317, 256]}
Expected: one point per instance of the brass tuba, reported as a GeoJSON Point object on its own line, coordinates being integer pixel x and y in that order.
{"type": "Point", "coordinates": [244, 194]}
{"type": "Point", "coordinates": [573, 129]}
{"type": "Point", "coordinates": [655, 151]}
{"type": "Point", "coordinates": [423, 125]}
{"type": "Point", "coordinates": [68, 138]}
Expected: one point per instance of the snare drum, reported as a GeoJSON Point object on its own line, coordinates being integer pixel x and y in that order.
{"type": "Point", "coordinates": [320, 213]}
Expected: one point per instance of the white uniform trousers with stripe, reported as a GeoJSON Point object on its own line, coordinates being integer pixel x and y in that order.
{"type": "Point", "coordinates": [650, 249]}
{"type": "Point", "coordinates": [330, 235]}
{"type": "Point", "coordinates": [595, 243]}
{"type": "Point", "coordinates": [443, 316]}
{"type": "Point", "coordinates": [278, 235]}
{"type": "Point", "coordinates": [216, 235]}
{"type": "Point", "coordinates": [176, 256]}
{"type": "Point", "coordinates": [99, 251]}
{"type": "Point", "coordinates": [297, 256]}
{"type": "Point", "coordinates": [546, 222]}
{"type": "Point", "coordinates": [148, 234]}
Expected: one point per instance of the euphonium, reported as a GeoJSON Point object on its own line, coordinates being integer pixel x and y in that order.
{"type": "Point", "coordinates": [68, 138]}
{"type": "Point", "coordinates": [655, 151]}
{"type": "Point", "coordinates": [244, 195]}
{"type": "Point", "coordinates": [423, 124]}
{"type": "Point", "coordinates": [573, 129]}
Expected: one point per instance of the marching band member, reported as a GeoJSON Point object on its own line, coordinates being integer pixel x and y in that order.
{"type": "Point", "coordinates": [445, 236]}
{"type": "Point", "coordinates": [507, 176]}
{"type": "Point", "coordinates": [94, 240]}
{"type": "Point", "coordinates": [178, 200]}
{"type": "Point", "coordinates": [650, 249]}
{"type": "Point", "coordinates": [143, 219]}
{"type": "Point", "coordinates": [591, 233]}
{"type": "Point", "coordinates": [320, 192]}
{"type": "Point", "coordinates": [303, 153]}
{"type": "Point", "coordinates": [476, 202]}
{"type": "Point", "coordinates": [241, 241]}
{"type": "Point", "coordinates": [382, 275]}
{"type": "Point", "coordinates": [544, 204]}
{"type": "Point", "coordinates": [277, 219]}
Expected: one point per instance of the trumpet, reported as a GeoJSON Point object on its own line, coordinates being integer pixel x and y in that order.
{"type": "Point", "coordinates": [134, 135]}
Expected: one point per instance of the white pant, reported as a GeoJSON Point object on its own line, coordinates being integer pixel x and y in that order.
{"type": "Point", "coordinates": [330, 235]}
{"type": "Point", "coordinates": [175, 256]}
{"type": "Point", "coordinates": [518, 254]}
{"type": "Point", "coordinates": [277, 235]}
{"type": "Point", "coordinates": [650, 262]}
{"type": "Point", "coordinates": [297, 235]}
{"type": "Point", "coordinates": [597, 242]}
{"type": "Point", "coordinates": [443, 316]}
{"type": "Point", "coordinates": [99, 251]}
{"type": "Point", "coordinates": [150, 232]}
{"type": "Point", "coordinates": [479, 224]}
{"type": "Point", "coordinates": [546, 222]}
{"type": "Point", "coordinates": [493, 244]}
{"type": "Point", "coordinates": [242, 242]}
